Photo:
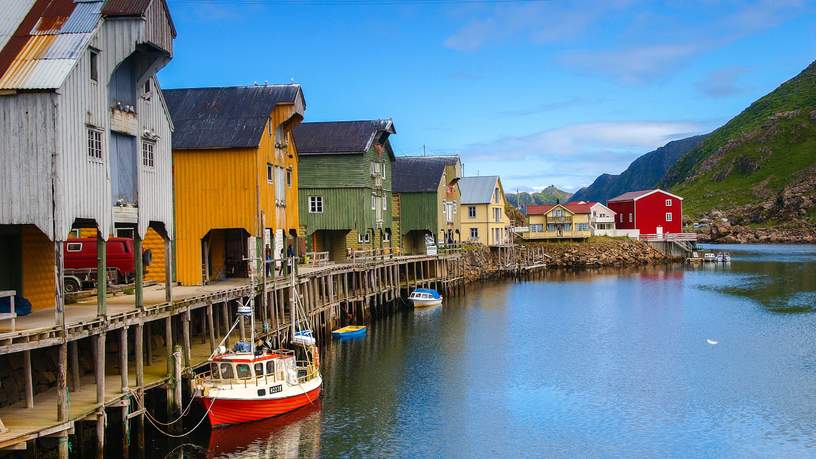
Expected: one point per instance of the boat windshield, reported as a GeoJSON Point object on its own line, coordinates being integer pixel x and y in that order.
{"type": "Point", "coordinates": [242, 369]}
{"type": "Point", "coordinates": [214, 370]}
{"type": "Point", "coordinates": [226, 371]}
{"type": "Point", "coordinates": [259, 369]}
{"type": "Point", "coordinates": [270, 367]}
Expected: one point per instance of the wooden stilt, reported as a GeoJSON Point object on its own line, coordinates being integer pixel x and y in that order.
{"type": "Point", "coordinates": [99, 369]}
{"type": "Point", "coordinates": [100, 432]}
{"type": "Point", "coordinates": [29, 379]}
{"type": "Point", "coordinates": [168, 340]}
{"type": "Point", "coordinates": [168, 270]}
{"type": "Point", "coordinates": [123, 358]}
{"type": "Point", "coordinates": [139, 270]}
{"type": "Point", "coordinates": [211, 326]}
{"type": "Point", "coordinates": [148, 344]}
{"type": "Point", "coordinates": [59, 298]}
{"type": "Point", "coordinates": [62, 383]}
{"type": "Point", "coordinates": [138, 343]}
{"type": "Point", "coordinates": [75, 370]}
{"type": "Point", "coordinates": [226, 321]}
{"type": "Point", "coordinates": [186, 334]}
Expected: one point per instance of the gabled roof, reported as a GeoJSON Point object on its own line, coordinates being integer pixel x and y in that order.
{"type": "Point", "coordinates": [417, 174]}
{"type": "Point", "coordinates": [477, 190]}
{"type": "Point", "coordinates": [571, 207]}
{"type": "Point", "coordinates": [340, 137]}
{"type": "Point", "coordinates": [635, 195]}
{"type": "Point", "coordinates": [232, 117]}
{"type": "Point", "coordinates": [124, 8]}
{"type": "Point", "coordinates": [41, 41]}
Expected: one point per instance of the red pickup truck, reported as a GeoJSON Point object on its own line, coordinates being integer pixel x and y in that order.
{"type": "Point", "coordinates": [80, 262]}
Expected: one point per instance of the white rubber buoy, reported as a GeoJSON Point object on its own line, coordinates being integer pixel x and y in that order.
{"type": "Point", "coordinates": [712, 342]}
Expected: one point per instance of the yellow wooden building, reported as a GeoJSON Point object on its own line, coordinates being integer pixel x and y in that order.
{"type": "Point", "coordinates": [559, 221]}
{"type": "Point", "coordinates": [235, 172]}
{"type": "Point", "coordinates": [482, 218]}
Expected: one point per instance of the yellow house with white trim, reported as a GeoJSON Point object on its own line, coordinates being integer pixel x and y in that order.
{"type": "Point", "coordinates": [482, 218]}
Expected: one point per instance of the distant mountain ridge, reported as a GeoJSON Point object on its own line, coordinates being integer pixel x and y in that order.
{"type": "Point", "coordinates": [549, 195]}
{"type": "Point", "coordinates": [647, 171]}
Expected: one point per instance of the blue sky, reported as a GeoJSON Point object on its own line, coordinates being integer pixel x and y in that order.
{"type": "Point", "coordinates": [539, 92]}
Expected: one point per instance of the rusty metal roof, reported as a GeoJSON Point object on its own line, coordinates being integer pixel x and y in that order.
{"type": "Point", "coordinates": [46, 42]}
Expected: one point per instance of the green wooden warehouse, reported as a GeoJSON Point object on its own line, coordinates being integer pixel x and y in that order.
{"type": "Point", "coordinates": [344, 188]}
{"type": "Point", "coordinates": [426, 199]}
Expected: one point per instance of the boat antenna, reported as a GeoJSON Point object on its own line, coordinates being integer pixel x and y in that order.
{"type": "Point", "coordinates": [292, 297]}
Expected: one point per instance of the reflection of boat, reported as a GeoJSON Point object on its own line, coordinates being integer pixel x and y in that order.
{"type": "Point", "coordinates": [723, 257]}
{"type": "Point", "coordinates": [424, 297]}
{"type": "Point", "coordinates": [350, 331]}
{"type": "Point", "coordinates": [249, 383]}
{"type": "Point", "coordinates": [293, 434]}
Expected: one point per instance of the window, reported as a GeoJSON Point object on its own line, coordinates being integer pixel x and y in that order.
{"type": "Point", "coordinates": [387, 236]}
{"type": "Point", "coordinates": [259, 367]}
{"type": "Point", "coordinates": [471, 211]}
{"type": "Point", "coordinates": [373, 168]}
{"type": "Point", "coordinates": [537, 228]}
{"type": "Point", "coordinates": [95, 144]}
{"type": "Point", "coordinates": [315, 204]}
{"type": "Point", "coordinates": [125, 232]}
{"type": "Point", "coordinates": [270, 173]}
{"type": "Point", "coordinates": [496, 195]}
{"type": "Point", "coordinates": [242, 370]}
{"type": "Point", "coordinates": [148, 153]}
{"type": "Point", "coordinates": [147, 86]}
{"type": "Point", "coordinates": [558, 213]}
{"type": "Point", "coordinates": [373, 202]}
{"type": "Point", "coordinates": [384, 203]}
{"type": "Point", "coordinates": [630, 217]}
{"type": "Point", "coordinates": [364, 238]}
{"type": "Point", "coordinates": [94, 65]}
{"type": "Point", "coordinates": [270, 367]}
{"type": "Point", "coordinates": [75, 247]}
{"type": "Point", "coordinates": [668, 203]}
{"type": "Point", "coordinates": [289, 177]}
{"type": "Point", "coordinates": [382, 167]}
{"type": "Point", "coordinates": [280, 187]}
{"type": "Point", "coordinates": [668, 216]}
{"type": "Point", "coordinates": [214, 370]}
{"type": "Point", "coordinates": [497, 214]}
{"type": "Point", "coordinates": [226, 371]}
{"type": "Point", "coordinates": [474, 234]}
{"type": "Point", "coordinates": [582, 227]}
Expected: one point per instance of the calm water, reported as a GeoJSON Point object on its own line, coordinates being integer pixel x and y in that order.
{"type": "Point", "coordinates": [575, 364]}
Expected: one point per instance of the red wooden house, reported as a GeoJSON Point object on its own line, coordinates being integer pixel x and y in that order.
{"type": "Point", "coordinates": [650, 211]}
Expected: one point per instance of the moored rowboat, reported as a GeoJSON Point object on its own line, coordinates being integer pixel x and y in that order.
{"type": "Point", "coordinates": [350, 331]}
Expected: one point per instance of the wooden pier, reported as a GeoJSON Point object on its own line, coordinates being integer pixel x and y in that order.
{"type": "Point", "coordinates": [104, 364]}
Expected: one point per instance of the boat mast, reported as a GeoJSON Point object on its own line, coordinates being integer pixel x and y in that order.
{"type": "Point", "coordinates": [292, 296]}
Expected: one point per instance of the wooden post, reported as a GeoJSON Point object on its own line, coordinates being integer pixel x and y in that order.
{"type": "Point", "coordinates": [75, 370]}
{"type": "Point", "coordinates": [100, 370]}
{"type": "Point", "coordinates": [226, 321]}
{"type": "Point", "coordinates": [168, 341]}
{"type": "Point", "coordinates": [177, 380]}
{"type": "Point", "coordinates": [139, 268]}
{"type": "Point", "coordinates": [168, 270]}
{"type": "Point", "coordinates": [138, 342]}
{"type": "Point", "coordinates": [211, 326]}
{"type": "Point", "coordinates": [100, 432]}
{"type": "Point", "coordinates": [101, 275]}
{"type": "Point", "coordinates": [123, 358]}
{"type": "Point", "coordinates": [62, 383]}
{"type": "Point", "coordinates": [59, 271]}
{"type": "Point", "coordinates": [29, 379]}
{"type": "Point", "coordinates": [125, 429]}
{"type": "Point", "coordinates": [148, 344]}
{"type": "Point", "coordinates": [187, 343]}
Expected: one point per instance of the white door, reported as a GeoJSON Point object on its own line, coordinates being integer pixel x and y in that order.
{"type": "Point", "coordinates": [279, 249]}
{"type": "Point", "coordinates": [659, 231]}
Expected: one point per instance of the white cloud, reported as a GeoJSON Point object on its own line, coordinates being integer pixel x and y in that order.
{"type": "Point", "coordinates": [638, 64]}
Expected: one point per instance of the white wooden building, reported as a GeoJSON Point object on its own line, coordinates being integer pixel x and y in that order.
{"type": "Point", "coordinates": [84, 130]}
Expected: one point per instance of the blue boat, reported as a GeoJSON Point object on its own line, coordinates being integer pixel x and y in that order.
{"type": "Point", "coordinates": [350, 331]}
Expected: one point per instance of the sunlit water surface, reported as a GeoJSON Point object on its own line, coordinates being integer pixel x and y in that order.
{"type": "Point", "coordinates": [610, 363]}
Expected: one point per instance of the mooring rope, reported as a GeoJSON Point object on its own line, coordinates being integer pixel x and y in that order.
{"type": "Point", "coordinates": [183, 413]}
{"type": "Point", "coordinates": [168, 434]}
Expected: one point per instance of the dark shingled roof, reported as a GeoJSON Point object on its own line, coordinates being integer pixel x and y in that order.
{"type": "Point", "coordinates": [234, 117]}
{"type": "Point", "coordinates": [416, 174]}
{"type": "Point", "coordinates": [339, 137]}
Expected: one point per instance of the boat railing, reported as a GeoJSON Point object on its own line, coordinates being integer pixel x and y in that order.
{"type": "Point", "coordinates": [310, 371]}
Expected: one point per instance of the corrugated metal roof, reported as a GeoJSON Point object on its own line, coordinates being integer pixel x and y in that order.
{"type": "Point", "coordinates": [477, 190]}
{"type": "Point", "coordinates": [417, 175]}
{"type": "Point", "coordinates": [13, 12]}
{"type": "Point", "coordinates": [339, 137]}
{"type": "Point", "coordinates": [42, 57]}
{"type": "Point", "coordinates": [232, 117]}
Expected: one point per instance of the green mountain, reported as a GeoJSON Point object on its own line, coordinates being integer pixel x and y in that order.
{"type": "Point", "coordinates": [549, 195]}
{"type": "Point", "coordinates": [759, 168]}
{"type": "Point", "coordinates": [645, 172]}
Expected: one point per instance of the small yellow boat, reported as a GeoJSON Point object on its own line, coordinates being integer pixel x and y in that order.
{"type": "Point", "coordinates": [350, 331]}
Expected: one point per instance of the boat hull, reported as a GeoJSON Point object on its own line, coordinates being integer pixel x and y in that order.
{"type": "Point", "coordinates": [235, 411]}
{"type": "Point", "coordinates": [422, 303]}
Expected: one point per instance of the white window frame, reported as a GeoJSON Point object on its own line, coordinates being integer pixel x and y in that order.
{"type": "Point", "coordinates": [316, 204]}
{"type": "Point", "coordinates": [384, 203]}
{"type": "Point", "coordinates": [630, 217]}
{"type": "Point", "coordinates": [386, 236]}
{"type": "Point", "coordinates": [74, 247]}
{"type": "Point", "coordinates": [669, 216]}
{"type": "Point", "coordinates": [668, 203]}
{"type": "Point", "coordinates": [364, 238]}
{"type": "Point", "coordinates": [373, 201]}
{"type": "Point", "coordinates": [93, 65]}
{"type": "Point", "coordinates": [474, 233]}
{"type": "Point", "coordinates": [289, 177]}
{"type": "Point", "coordinates": [148, 154]}
{"type": "Point", "coordinates": [471, 211]}
{"type": "Point", "coordinates": [96, 150]}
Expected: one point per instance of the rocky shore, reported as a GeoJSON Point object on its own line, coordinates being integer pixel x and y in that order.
{"type": "Point", "coordinates": [482, 263]}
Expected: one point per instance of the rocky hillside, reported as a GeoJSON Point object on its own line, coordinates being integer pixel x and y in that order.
{"type": "Point", "coordinates": [645, 172]}
{"type": "Point", "coordinates": [549, 195]}
{"type": "Point", "coordinates": [758, 171]}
